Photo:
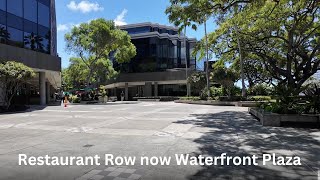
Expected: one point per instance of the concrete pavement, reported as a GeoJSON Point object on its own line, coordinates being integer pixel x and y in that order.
{"type": "Point", "coordinates": [151, 129]}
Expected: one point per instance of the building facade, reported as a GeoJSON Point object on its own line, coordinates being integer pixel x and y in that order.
{"type": "Point", "coordinates": [28, 35]}
{"type": "Point", "coordinates": [160, 66]}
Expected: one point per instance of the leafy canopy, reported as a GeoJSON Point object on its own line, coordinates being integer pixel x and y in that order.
{"type": "Point", "coordinates": [98, 42]}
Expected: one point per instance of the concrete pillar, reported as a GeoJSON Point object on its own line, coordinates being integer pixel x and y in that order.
{"type": "Point", "coordinates": [1, 95]}
{"type": "Point", "coordinates": [147, 89]}
{"type": "Point", "coordinates": [156, 89]}
{"type": "Point", "coordinates": [48, 91]}
{"type": "Point", "coordinates": [126, 92]}
{"type": "Point", "coordinates": [42, 88]}
{"type": "Point", "coordinates": [188, 89]}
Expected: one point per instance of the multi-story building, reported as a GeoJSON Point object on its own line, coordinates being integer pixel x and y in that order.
{"type": "Point", "coordinates": [28, 35]}
{"type": "Point", "coordinates": [159, 68]}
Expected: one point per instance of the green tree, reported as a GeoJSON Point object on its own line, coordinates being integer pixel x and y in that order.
{"type": "Point", "coordinates": [197, 80]}
{"type": "Point", "coordinates": [96, 43]}
{"type": "Point", "coordinates": [283, 35]}
{"type": "Point", "coordinates": [224, 76]}
{"type": "Point", "coordinates": [12, 76]}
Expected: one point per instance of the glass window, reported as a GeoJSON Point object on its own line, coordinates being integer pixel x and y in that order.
{"type": "Point", "coordinates": [43, 15]}
{"type": "Point", "coordinates": [3, 5]}
{"type": "Point", "coordinates": [30, 27]}
{"type": "Point", "coordinates": [43, 31]}
{"type": "Point", "coordinates": [30, 10]}
{"type": "Point", "coordinates": [15, 21]}
{"type": "Point", "coordinates": [15, 7]}
{"type": "Point", "coordinates": [15, 37]}
{"type": "Point", "coordinates": [4, 36]}
{"type": "Point", "coordinates": [45, 2]}
{"type": "Point", "coordinates": [30, 40]}
{"type": "Point", "coordinates": [3, 17]}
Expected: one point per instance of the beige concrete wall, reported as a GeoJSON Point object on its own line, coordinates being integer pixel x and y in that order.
{"type": "Point", "coordinates": [30, 58]}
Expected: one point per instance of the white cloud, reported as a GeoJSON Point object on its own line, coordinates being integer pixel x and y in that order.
{"type": "Point", "coordinates": [62, 27]}
{"type": "Point", "coordinates": [84, 6]}
{"type": "Point", "coordinates": [66, 27]}
{"type": "Point", "coordinates": [120, 21]}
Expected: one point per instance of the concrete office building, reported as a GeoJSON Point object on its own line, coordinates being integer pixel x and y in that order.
{"type": "Point", "coordinates": [28, 35]}
{"type": "Point", "coordinates": [159, 68]}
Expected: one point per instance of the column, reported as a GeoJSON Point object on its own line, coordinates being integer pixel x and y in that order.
{"type": "Point", "coordinates": [148, 89]}
{"type": "Point", "coordinates": [126, 92]}
{"type": "Point", "coordinates": [156, 89]}
{"type": "Point", "coordinates": [42, 87]}
{"type": "Point", "coordinates": [48, 91]}
{"type": "Point", "coordinates": [188, 89]}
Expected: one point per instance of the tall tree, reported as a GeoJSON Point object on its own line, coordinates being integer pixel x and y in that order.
{"type": "Point", "coordinates": [284, 36]}
{"type": "Point", "coordinates": [187, 11]}
{"type": "Point", "coordinates": [98, 42]}
{"type": "Point", "coordinates": [12, 76]}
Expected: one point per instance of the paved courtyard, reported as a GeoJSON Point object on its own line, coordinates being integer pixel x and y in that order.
{"type": "Point", "coordinates": [151, 129]}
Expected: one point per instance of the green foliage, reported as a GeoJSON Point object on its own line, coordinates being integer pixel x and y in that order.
{"type": "Point", "coordinates": [204, 94]}
{"type": "Point", "coordinates": [75, 99]}
{"type": "Point", "coordinates": [192, 98]}
{"type": "Point", "coordinates": [215, 91]}
{"type": "Point", "coordinates": [226, 77]}
{"type": "Point", "coordinates": [313, 98]}
{"type": "Point", "coordinates": [12, 76]}
{"type": "Point", "coordinates": [197, 81]}
{"type": "Point", "coordinates": [95, 43]}
{"type": "Point", "coordinates": [103, 91]}
{"type": "Point", "coordinates": [259, 98]}
{"type": "Point", "coordinates": [260, 89]}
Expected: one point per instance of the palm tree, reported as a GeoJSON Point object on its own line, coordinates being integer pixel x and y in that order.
{"type": "Point", "coordinates": [34, 41]}
{"type": "Point", "coordinates": [178, 17]}
{"type": "Point", "coordinates": [4, 35]}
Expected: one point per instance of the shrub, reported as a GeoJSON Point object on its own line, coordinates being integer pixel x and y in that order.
{"type": "Point", "coordinates": [216, 91]}
{"type": "Point", "coordinates": [204, 94]}
{"type": "Point", "coordinates": [192, 98]}
{"type": "Point", "coordinates": [260, 89]}
{"type": "Point", "coordinates": [75, 99]}
{"type": "Point", "coordinates": [259, 98]}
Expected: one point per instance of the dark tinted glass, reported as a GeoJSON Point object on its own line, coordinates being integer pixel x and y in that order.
{"type": "Point", "coordinates": [3, 34]}
{"type": "Point", "coordinates": [30, 27]}
{"type": "Point", "coordinates": [138, 30]}
{"type": "Point", "coordinates": [43, 15]}
{"type": "Point", "coordinates": [3, 17]}
{"type": "Point", "coordinates": [30, 10]}
{"type": "Point", "coordinates": [3, 5]}
{"type": "Point", "coordinates": [43, 31]}
{"type": "Point", "coordinates": [15, 21]}
{"type": "Point", "coordinates": [15, 37]}
{"type": "Point", "coordinates": [15, 7]}
{"type": "Point", "coordinates": [45, 2]}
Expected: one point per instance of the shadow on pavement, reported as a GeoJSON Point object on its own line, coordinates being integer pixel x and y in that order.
{"type": "Point", "coordinates": [239, 134]}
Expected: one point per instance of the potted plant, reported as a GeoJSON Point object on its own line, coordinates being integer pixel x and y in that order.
{"type": "Point", "coordinates": [104, 97]}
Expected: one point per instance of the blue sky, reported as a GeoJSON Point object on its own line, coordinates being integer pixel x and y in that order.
{"type": "Point", "coordinates": [73, 12]}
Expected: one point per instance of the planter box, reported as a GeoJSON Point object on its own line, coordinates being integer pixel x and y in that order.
{"type": "Point", "coordinates": [215, 103]}
{"type": "Point", "coordinates": [273, 119]}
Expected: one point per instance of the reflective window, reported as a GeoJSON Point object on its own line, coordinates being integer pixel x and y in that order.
{"type": "Point", "coordinates": [15, 21]}
{"type": "Point", "coordinates": [43, 31]}
{"type": "Point", "coordinates": [4, 36]}
{"type": "Point", "coordinates": [15, 7]}
{"type": "Point", "coordinates": [30, 40]}
{"type": "Point", "coordinates": [43, 15]}
{"type": "Point", "coordinates": [3, 17]}
{"type": "Point", "coordinates": [3, 5]}
{"type": "Point", "coordinates": [45, 2]}
{"type": "Point", "coordinates": [138, 30]}
{"type": "Point", "coordinates": [30, 27]}
{"type": "Point", "coordinates": [30, 10]}
{"type": "Point", "coordinates": [15, 37]}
